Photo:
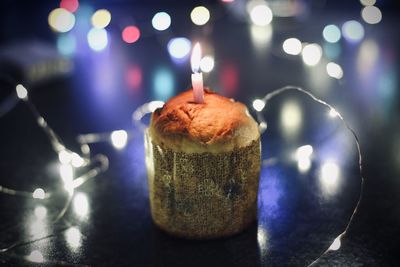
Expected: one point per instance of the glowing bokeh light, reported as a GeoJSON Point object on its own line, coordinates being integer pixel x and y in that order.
{"type": "Point", "coordinates": [261, 36]}
{"type": "Point", "coordinates": [73, 237]}
{"type": "Point", "coordinates": [291, 118]}
{"type": "Point", "coordinates": [64, 156]}
{"type": "Point", "coordinates": [304, 152]}
{"type": "Point", "coordinates": [207, 64]}
{"type": "Point", "coordinates": [353, 31]}
{"type": "Point", "coordinates": [66, 44]}
{"type": "Point", "coordinates": [81, 204]}
{"type": "Point", "coordinates": [22, 93]}
{"type": "Point", "coordinates": [262, 238]}
{"type": "Point", "coordinates": [101, 18]}
{"type": "Point", "coordinates": [77, 161]}
{"type": "Point", "coordinates": [229, 79]}
{"type": "Point", "coordinates": [261, 15]}
{"type": "Point", "coordinates": [61, 20]}
{"type": "Point", "coordinates": [333, 113]}
{"type": "Point", "coordinates": [161, 21]}
{"type": "Point", "coordinates": [330, 172]}
{"type": "Point", "coordinates": [368, 2]}
{"type": "Point", "coordinates": [329, 176]}
{"type": "Point", "coordinates": [292, 46]}
{"type": "Point", "coordinates": [119, 139]}
{"type": "Point", "coordinates": [70, 5]}
{"type": "Point", "coordinates": [367, 57]}
{"type": "Point", "coordinates": [163, 84]}
{"type": "Point", "coordinates": [303, 157]}
{"type": "Point", "coordinates": [179, 47]}
{"type": "Point", "coordinates": [304, 165]}
{"type": "Point", "coordinates": [258, 104]}
{"type": "Point", "coordinates": [311, 54]}
{"type": "Point", "coordinates": [371, 14]}
{"type": "Point", "coordinates": [35, 256]}
{"type": "Point", "coordinates": [134, 77]}
{"type": "Point", "coordinates": [130, 34]}
{"type": "Point", "coordinates": [200, 15]}
{"type": "Point", "coordinates": [336, 244]}
{"type": "Point", "coordinates": [331, 33]}
{"type": "Point", "coordinates": [40, 212]}
{"type": "Point", "coordinates": [97, 39]}
{"type": "Point", "coordinates": [39, 193]}
{"type": "Point", "coordinates": [334, 70]}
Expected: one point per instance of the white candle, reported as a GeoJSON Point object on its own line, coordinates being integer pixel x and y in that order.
{"type": "Point", "coordinates": [197, 76]}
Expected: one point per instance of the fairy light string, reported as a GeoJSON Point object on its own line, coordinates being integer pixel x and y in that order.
{"type": "Point", "coordinates": [259, 106]}
{"type": "Point", "coordinates": [69, 162]}
{"type": "Point", "coordinates": [263, 103]}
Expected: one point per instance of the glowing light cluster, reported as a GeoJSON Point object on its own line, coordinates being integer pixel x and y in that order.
{"type": "Point", "coordinates": [200, 15]}
{"type": "Point", "coordinates": [260, 14]}
{"type": "Point", "coordinates": [66, 157]}
{"type": "Point", "coordinates": [101, 18]}
{"type": "Point", "coordinates": [61, 20]}
{"type": "Point", "coordinates": [311, 54]}
{"type": "Point", "coordinates": [292, 46]}
{"type": "Point", "coordinates": [70, 5]}
{"type": "Point", "coordinates": [334, 70]}
{"type": "Point", "coordinates": [179, 47]}
{"type": "Point", "coordinates": [353, 31]}
{"type": "Point", "coordinates": [371, 14]}
{"type": "Point", "coordinates": [131, 34]}
{"type": "Point", "coordinates": [161, 21]}
{"type": "Point", "coordinates": [97, 39]}
{"type": "Point", "coordinates": [331, 33]}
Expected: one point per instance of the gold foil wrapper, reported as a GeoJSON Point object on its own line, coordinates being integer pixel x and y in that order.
{"type": "Point", "coordinates": [203, 195]}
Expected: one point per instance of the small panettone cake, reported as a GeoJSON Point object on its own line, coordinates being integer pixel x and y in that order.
{"type": "Point", "coordinates": [203, 164]}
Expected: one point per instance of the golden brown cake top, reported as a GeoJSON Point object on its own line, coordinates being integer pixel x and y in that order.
{"type": "Point", "coordinates": [218, 124]}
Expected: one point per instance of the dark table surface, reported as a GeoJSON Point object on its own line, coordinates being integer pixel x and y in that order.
{"type": "Point", "coordinates": [300, 212]}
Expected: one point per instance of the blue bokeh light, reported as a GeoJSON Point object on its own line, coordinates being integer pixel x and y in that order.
{"type": "Point", "coordinates": [331, 33]}
{"type": "Point", "coordinates": [163, 84]}
{"type": "Point", "coordinates": [179, 47]}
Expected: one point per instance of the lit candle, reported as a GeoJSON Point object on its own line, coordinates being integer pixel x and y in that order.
{"type": "Point", "coordinates": [197, 76]}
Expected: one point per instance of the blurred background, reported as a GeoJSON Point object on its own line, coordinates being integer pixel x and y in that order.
{"type": "Point", "coordinates": [88, 65]}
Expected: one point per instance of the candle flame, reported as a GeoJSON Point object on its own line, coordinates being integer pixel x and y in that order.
{"type": "Point", "coordinates": [196, 58]}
